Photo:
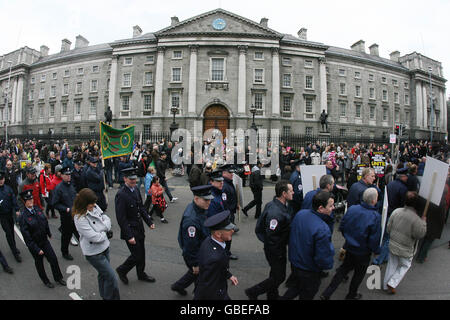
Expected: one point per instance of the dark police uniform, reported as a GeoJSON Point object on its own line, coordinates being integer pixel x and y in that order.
{"type": "Point", "coordinates": [130, 212]}
{"type": "Point", "coordinates": [273, 228]}
{"type": "Point", "coordinates": [8, 208]}
{"type": "Point", "coordinates": [191, 234]}
{"type": "Point", "coordinates": [217, 204]}
{"type": "Point", "coordinates": [230, 201]}
{"type": "Point", "coordinates": [95, 182]}
{"type": "Point", "coordinates": [214, 262]}
{"type": "Point", "coordinates": [35, 230]}
{"type": "Point", "coordinates": [296, 181]}
{"type": "Point", "coordinates": [62, 199]}
{"type": "Point", "coordinates": [77, 178]}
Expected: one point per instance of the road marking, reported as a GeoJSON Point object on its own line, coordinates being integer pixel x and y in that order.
{"type": "Point", "coordinates": [75, 296]}
{"type": "Point", "coordinates": [19, 234]}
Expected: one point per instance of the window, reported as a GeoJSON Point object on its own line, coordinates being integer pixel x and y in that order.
{"type": "Point", "coordinates": [77, 108]}
{"type": "Point", "coordinates": [342, 89]}
{"type": "Point", "coordinates": [66, 73]}
{"type": "Point", "coordinates": [309, 131]}
{"type": "Point", "coordinates": [308, 105]}
{"type": "Point", "coordinates": [286, 131]}
{"type": "Point", "coordinates": [258, 76]}
{"type": "Point", "coordinates": [358, 110]}
{"type": "Point", "coordinates": [150, 59]}
{"type": "Point", "coordinates": [125, 103]}
{"type": "Point", "coordinates": [41, 93]}
{"type": "Point", "coordinates": [396, 98]}
{"type": "Point", "coordinates": [30, 113]}
{"type": "Point", "coordinates": [259, 55]}
{"type": "Point", "coordinates": [93, 107]}
{"type": "Point", "coordinates": [259, 103]}
{"type": "Point", "coordinates": [148, 78]}
{"type": "Point", "coordinates": [31, 94]}
{"type": "Point", "coordinates": [177, 54]}
{"type": "Point", "coordinates": [80, 71]}
{"type": "Point", "coordinates": [126, 81]}
{"type": "Point", "coordinates": [95, 69]}
{"type": "Point", "coordinates": [217, 69]}
{"type": "Point", "coordinates": [407, 116]}
{"type": "Point", "coordinates": [407, 99]}
{"type": "Point", "coordinates": [383, 80]}
{"type": "Point", "coordinates": [397, 115]}
{"type": "Point", "coordinates": [91, 129]}
{"type": "Point", "coordinates": [385, 114]}
{"type": "Point", "coordinates": [65, 89]}
{"type": "Point", "coordinates": [287, 61]}
{"type": "Point", "coordinates": [52, 110]}
{"type": "Point", "coordinates": [128, 61]}
{"type": "Point", "coordinates": [33, 80]}
{"type": "Point", "coordinates": [41, 111]}
{"type": "Point", "coordinates": [372, 112]}
{"type": "Point", "coordinates": [64, 130]}
{"type": "Point", "coordinates": [358, 91]}
{"type": "Point", "coordinates": [147, 104]}
{"type": "Point", "coordinates": [64, 109]}
{"type": "Point", "coordinates": [77, 131]}
{"type": "Point", "coordinates": [395, 83]}
{"type": "Point", "coordinates": [342, 132]}
{"type": "Point", "coordinates": [53, 91]}
{"type": "Point", "coordinates": [406, 85]}
{"type": "Point", "coordinates": [342, 72]}
{"type": "Point", "coordinates": [54, 76]}
{"type": "Point", "coordinates": [371, 77]}
{"type": "Point", "coordinates": [94, 85]}
{"type": "Point", "coordinates": [176, 74]}
{"type": "Point", "coordinates": [79, 87]}
{"type": "Point", "coordinates": [343, 109]}
{"type": "Point", "coordinates": [308, 63]}
{"type": "Point", "coordinates": [175, 100]}
{"type": "Point", "coordinates": [287, 77]}
{"type": "Point", "coordinates": [357, 75]}
{"type": "Point", "coordinates": [43, 78]}
{"type": "Point", "coordinates": [385, 96]}
{"type": "Point", "coordinates": [287, 103]}
{"type": "Point", "coordinates": [147, 131]}
{"type": "Point", "coordinates": [372, 93]}
{"type": "Point", "coordinates": [309, 82]}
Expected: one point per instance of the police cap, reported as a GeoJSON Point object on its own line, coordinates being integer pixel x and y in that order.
{"type": "Point", "coordinates": [229, 168]}
{"type": "Point", "coordinates": [203, 191]}
{"type": "Point", "coordinates": [31, 170]}
{"type": "Point", "coordinates": [216, 175]}
{"type": "Point", "coordinates": [130, 173]}
{"type": "Point", "coordinates": [220, 221]}
{"type": "Point", "coordinates": [27, 194]}
{"type": "Point", "coordinates": [66, 171]}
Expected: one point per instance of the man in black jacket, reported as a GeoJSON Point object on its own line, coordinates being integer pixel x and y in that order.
{"type": "Point", "coordinates": [256, 184]}
{"type": "Point", "coordinates": [96, 182]}
{"type": "Point", "coordinates": [161, 167]}
{"type": "Point", "coordinates": [273, 229]}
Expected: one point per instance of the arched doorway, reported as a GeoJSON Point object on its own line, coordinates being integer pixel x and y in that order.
{"type": "Point", "coordinates": [216, 117]}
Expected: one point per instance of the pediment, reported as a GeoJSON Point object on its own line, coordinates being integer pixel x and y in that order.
{"type": "Point", "coordinates": [204, 24]}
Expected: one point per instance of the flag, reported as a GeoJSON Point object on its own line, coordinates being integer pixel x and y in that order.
{"type": "Point", "coordinates": [116, 142]}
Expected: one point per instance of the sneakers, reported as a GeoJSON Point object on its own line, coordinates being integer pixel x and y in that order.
{"type": "Point", "coordinates": [164, 220]}
{"type": "Point", "coordinates": [173, 200]}
{"type": "Point", "coordinates": [74, 241]}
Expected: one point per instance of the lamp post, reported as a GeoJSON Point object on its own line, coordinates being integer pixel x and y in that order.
{"type": "Point", "coordinates": [253, 111]}
{"type": "Point", "coordinates": [173, 125]}
{"type": "Point", "coordinates": [431, 106]}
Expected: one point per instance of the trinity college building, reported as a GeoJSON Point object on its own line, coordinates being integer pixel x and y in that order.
{"type": "Point", "coordinates": [217, 70]}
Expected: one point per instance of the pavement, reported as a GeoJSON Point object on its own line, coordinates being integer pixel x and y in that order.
{"type": "Point", "coordinates": [164, 262]}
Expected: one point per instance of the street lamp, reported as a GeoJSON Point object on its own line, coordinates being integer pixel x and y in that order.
{"type": "Point", "coordinates": [431, 106]}
{"type": "Point", "coordinates": [174, 125]}
{"type": "Point", "coordinates": [253, 111]}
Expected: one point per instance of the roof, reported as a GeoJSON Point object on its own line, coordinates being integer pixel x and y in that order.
{"type": "Point", "coordinates": [148, 37]}
{"type": "Point", "coordinates": [289, 38]}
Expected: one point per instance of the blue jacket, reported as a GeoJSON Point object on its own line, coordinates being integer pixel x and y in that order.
{"type": "Point", "coordinates": [68, 163]}
{"type": "Point", "coordinates": [8, 201]}
{"type": "Point", "coordinates": [94, 179]}
{"type": "Point", "coordinates": [217, 204]}
{"type": "Point", "coordinates": [356, 191]}
{"type": "Point", "coordinates": [310, 246]}
{"type": "Point", "coordinates": [231, 201]}
{"type": "Point", "coordinates": [148, 182]}
{"type": "Point", "coordinates": [307, 200]}
{"type": "Point", "coordinates": [63, 197]}
{"type": "Point", "coordinates": [192, 232]}
{"type": "Point", "coordinates": [296, 181]}
{"type": "Point", "coordinates": [361, 228]}
{"type": "Point", "coordinates": [396, 195]}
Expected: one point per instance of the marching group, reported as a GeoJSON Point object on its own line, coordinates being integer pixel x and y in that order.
{"type": "Point", "coordinates": [292, 227]}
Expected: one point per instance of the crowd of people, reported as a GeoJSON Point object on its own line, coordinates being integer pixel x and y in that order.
{"type": "Point", "coordinates": [37, 178]}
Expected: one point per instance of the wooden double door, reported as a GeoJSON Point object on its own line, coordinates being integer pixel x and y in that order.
{"type": "Point", "coordinates": [216, 117]}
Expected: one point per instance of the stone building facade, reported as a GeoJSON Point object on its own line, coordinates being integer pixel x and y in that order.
{"type": "Point", "coordinates": [212, 69]}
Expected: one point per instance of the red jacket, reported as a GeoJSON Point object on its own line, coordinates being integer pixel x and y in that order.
{"type": "Point", "coordinates": [56, 180]}
{"type": "Point", "coordinates": [157, 191]}
{"type": "Point", "coordinates": [45, 182]}
{"type": "Point", "coordinates": [36, 193]}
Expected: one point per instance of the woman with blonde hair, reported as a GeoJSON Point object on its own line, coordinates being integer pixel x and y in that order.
{"type": "Point", "coordinates": [94, 228]}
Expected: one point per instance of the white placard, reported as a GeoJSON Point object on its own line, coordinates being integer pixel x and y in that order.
{"type": "Point", "coordinates": [237, 182]}
{"type": "Point", "coordinates": [311, 176]}
{"type": "Point", "coordinates": [384, 214]}
{"type": "Point", "coordinates": [393, 138]}
{"type": "Point", "coordinates": [437, 188]}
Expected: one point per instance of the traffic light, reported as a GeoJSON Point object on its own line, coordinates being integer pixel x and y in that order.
{"type": "Point", "coordinates": [397, 129]}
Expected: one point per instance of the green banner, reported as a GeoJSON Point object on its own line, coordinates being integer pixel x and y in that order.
{"type": "Point", "coordinates": [116, 142]}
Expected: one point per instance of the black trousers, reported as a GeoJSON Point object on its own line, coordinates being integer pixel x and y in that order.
{"type": "Point", "coordinates": [49, 204]}
{"type": "Point", "coordinates": [257, 201]}
{"type": "Point", "coordinates": [359, 264]}
{"type": "Point", "coordinates": [188, 278]}
{"type": "Point", "coordinates": [308, 283]}
{"type": "Point", "coordinates": [7, 222]}
{"type": "Point", "coordinates": [50, 255]}
{"type": "Point", "coordinates": [3, 260]}
{"type": "Point", "coordinates": [277, 275]}
{"type": "Point", "coordinates": [137, 258]}
{"type": "Point", "coordinates": [67, 229]}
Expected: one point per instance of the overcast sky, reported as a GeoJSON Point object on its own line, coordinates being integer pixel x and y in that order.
{"type": "Point", "coordinates": [403, 25]}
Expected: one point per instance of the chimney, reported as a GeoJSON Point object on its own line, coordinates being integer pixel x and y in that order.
{"type": "Point", "coordinates": [374, 50]}
{"type": "Point", "coordinates": [264, 22]}
{"type": "Point", "coordinates": [395, 56]}
{"type": "Point", "coordinates": [65, 45]}
{"type": "Point", "coordinates": [137, 31]}
{"type": "Point", "coordinates": [44, 51]}
{"type": "Point", "coordinates": [359, 46]}
{"type": "Point", "coordinates": [302, 34]}
{"type": "Point", "coordinates": [174, 21]}
{"type": "Point", "coordinates": [81, 42]}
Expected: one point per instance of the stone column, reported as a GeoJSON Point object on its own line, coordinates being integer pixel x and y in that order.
{"type": "Point", "coordinates": [425, 102]}
{"type": "Point", "coordinates": [242, 81]}
{"type": "Point", "coordinates": [419, 106]}
{"type": "Point", "coordinates": [275, 82]}
{"type": "Point", "coordinates": [12, 116]}
{"type": "Point", "coordinates": [323, 85]}
{"type": "Point", "coordinates": [192, 98]}
{"type": "Point", "coordinates": [443, 112]}
{"type": "Point", "coordinates": [19, 104]}
{"type": "Point", "coordinates": [112, 88]}
{"type": "Point", "coordinates": [159, 81]}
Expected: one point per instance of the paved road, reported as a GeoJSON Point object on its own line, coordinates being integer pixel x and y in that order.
{"type": "Point", "coordinates": [164, 261]}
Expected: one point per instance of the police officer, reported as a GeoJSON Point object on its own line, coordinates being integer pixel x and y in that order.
{"type": "Point", "coordinates": [214, 261]}
{"type": "Point", "coordinates": [231, 201]}
{"type": "Point", "coordinates": [31, 182]}
{"type": "Point", "coordinates": [77, 176]}
{"type": "Point", "coordinates": [217, 204]}
{"type": "Point", "coordinates": [296, 182]}
{"type": "Point", "coordinates": [8, 207]}
{"type": "Point", "coordinates": [191, 234]}
{"type": "Point", "coordinates": [130, 211]}
{"type": "Point", "coordinates": [272, 229]}
{"type": "Point", "coordinates": [35, 231]}
{"type": "Point", "coordinates": [95, 182]}
{"type": "Point", "coordinates": [62, 200]}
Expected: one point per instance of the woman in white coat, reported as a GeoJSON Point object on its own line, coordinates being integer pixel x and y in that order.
{"type": "Point", "coordinates": [94, 228]}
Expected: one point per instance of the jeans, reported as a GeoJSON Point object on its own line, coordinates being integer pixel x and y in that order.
{"type": "Point", "coordinates": [107, 280]}
{"type": "Point", "coordinates": [384, 253]}
{"type": "Point", "coordinates": [163, 184]}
